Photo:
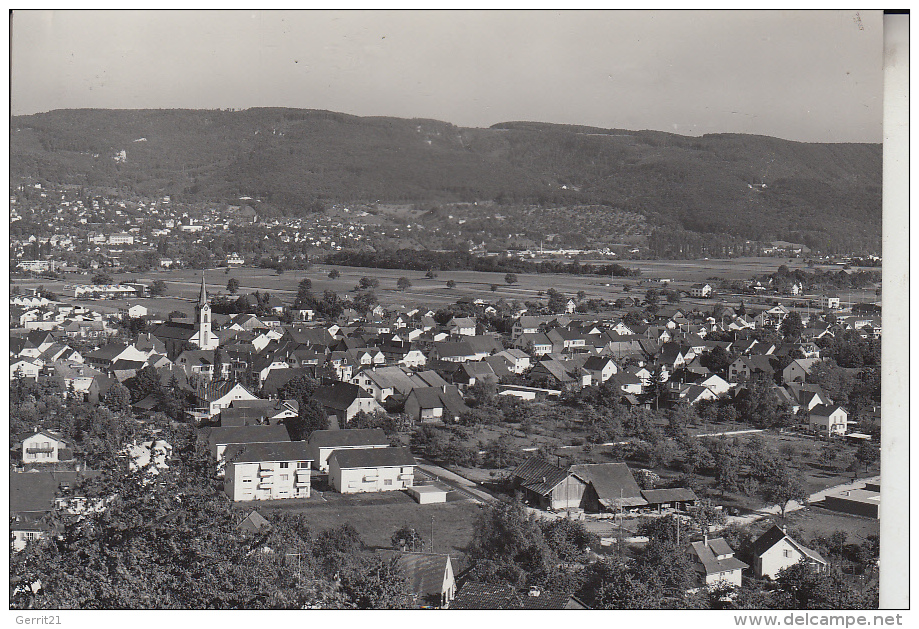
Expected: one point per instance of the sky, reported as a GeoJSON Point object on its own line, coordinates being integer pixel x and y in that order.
{"type": "Point", "coordinates": [811, 76]}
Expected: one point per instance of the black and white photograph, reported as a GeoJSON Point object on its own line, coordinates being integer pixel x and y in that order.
{"type": "Point", "coordinates": [456, 310]}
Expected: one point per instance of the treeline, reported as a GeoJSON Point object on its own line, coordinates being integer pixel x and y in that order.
{"type": "Point", "coordinates": [679, 244]}
{"type": "Point", "coordinates": [817, 279]}
{"type": "Point", "coordinates": [413, 260]}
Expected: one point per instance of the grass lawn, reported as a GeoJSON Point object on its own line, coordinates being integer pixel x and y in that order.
{"type": "Point", "coordinates": [376, 517]}
{"type": "Point", "coordinates": [814, 522]}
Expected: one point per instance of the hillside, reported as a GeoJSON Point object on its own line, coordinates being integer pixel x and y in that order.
{"type": "Point", "coordinates": [825, 195]}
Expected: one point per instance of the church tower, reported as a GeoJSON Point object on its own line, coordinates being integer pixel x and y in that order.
{"type": "Point", "coordinates": [203, 310]}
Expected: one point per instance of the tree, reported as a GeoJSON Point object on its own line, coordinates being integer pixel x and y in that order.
{"type": "Point", "coordinates": [706, 514]}
{"type": "Point", "coordinates": [494, 287]}
{"type": "Point", "coordinates": [867, 454]}
{"type": "Point", "coordinates": [233, 285]}
{"type": "Point", "coordinates": [510, 278]}
{"type": "Point", "coordinates": [149, 548]}
{"type": "Point", "coordinates": [158, 288]}
{"type": "Point", "coordinates": [118, 398]}
{"type": "Point", "coordinates": [368, 283]}
{"type": "Point", "coordinates": [334, 274]}
{"type": "Point", "coordinates": [403, 283]}
{"type": "Point", "coordinates": [581, 295]}
{"type": "Point", "coordinates": [791, 326]}
{"type": "Point", "coordinates": [557, 301]}
{"type": "Point", "coordinates": [505, 533]}
{"type": "Point", "coordinates": [177, 314]}
{"type": "Point", "coordinates": [782, 486]}
{"type": "Point", "coordinates": [431, 274]}
{"type": "Point", "coordinates": [801, 587]}
{"type": "Point", "coordinates": [451, 284]}
{"type": "Point", "coordinates": [407, 538]}
{"type": "Point", "coordinates": [304, 297]}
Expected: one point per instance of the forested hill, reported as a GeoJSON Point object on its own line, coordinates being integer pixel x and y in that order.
{"type": "Point", "coordinates": [761, 188]}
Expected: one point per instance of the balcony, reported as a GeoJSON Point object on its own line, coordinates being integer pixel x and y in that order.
{"type": "Point", "coordinates": [302, 483]}
{"type": "Point", "coordinates": [264, 473]}
{"type": "Point", "coordinates": [303, 471]}
{"type": "Point", "coordinates": [42, 449]}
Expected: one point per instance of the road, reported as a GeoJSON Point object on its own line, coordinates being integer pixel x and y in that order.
{"type": "Point", "coordinates": [455, 481]}
{"type": "Point", "coordinates": [731, 432]}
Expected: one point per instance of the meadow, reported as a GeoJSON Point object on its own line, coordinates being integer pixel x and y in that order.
{"type": "Point", "coordinates": [183, 284]}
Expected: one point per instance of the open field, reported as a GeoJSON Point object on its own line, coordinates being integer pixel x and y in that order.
{"type": "Point", "coordinates": [184, 283]}
{"type": "Point", "coordinates": [376, 517]}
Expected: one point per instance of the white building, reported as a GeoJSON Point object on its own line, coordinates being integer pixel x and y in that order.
{"type": "Point", "coordinates": [828, 419]}
{"type": "Point", "coordinates": [267, 471]}
{"type": "Point", "coordinates": [828, 302]}
{"type": "Point", "coordinates": [123, 238]}
{"type": "Point", "coordinates": [324, 442]}
{"type": "Point", "coordinates": [700, 290]}
{"type": "Point", "coordinates": [715, 563]}
{"type": "Point", "coordinates": [371, 470]}
{"type": "Point", "coordinates": [46, 446]}
{"type": "Point", "coordinates": [774, 551]}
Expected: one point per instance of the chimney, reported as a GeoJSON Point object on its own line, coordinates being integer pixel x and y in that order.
{"type": "Point", "coordinates": [705, 538]}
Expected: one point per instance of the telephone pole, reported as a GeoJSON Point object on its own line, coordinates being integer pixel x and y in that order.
{"type": "Point", "coordinates": [432, 533]}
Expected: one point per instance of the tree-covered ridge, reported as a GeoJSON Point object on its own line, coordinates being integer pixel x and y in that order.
{"type": "Point", "coordinates": [826, 196]}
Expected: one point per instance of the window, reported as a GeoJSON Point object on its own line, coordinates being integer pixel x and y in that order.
{"type": "Point", "coordinates": [285, 477]}
{"type": "Point", "coordinates": [284, 465]}
{"type": "Point", "coordinates": [387, 481]}
{"type": "Point", "coordinates": [247, 480]}
{"type": "Point", "coordinates": [786, 553]}
{"type": "Point", "coordinates": [303, 464]}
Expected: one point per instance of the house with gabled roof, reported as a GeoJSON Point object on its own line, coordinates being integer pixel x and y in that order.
{"type": "Point", "coordinates": [595, 488]}
{"type": "Point", "coordinates": [213, 396]}
{"type": "Point", "coordinates": [537, 343]}
{"type": "Point", "coordinates": [807, 396]}
{"type": "Point", "coordinates": [609, 487]}
{"type": "Point", "coordinates": [24, 368]}
{"type": "Point", "coordinates": [461, 326]}
{"type": "Point", "coordinates": [430, 576]}
{"type": "Point", "coordinates": [435, 404]}
{"type": "Point", "coordinates": [775, 550]}
{"type": "Point", "coordinates": [362, 470]}
{"type": "Point", "coordinates": [828, 419]}
{"type": "Point", "coordinates": [714, 561]}
{"type": "Point", "coordinates": [519, 361]}
{"type": "Point", "coordinates": [600, 368]}
{"type": "Point", "coordinates": [798, 369]}
{"type": "Point", "coordinates": [750, 367]}
{"type": "Point", "coordinates": [256, 412]}
{"type": "Point", "coordinates": [553, 372]}
{"type": "Point", "coordinates": [46, 446]}
{"type": "Point", "coordinates": [527, 324]}
{"type": "Point", "coordinates": [343, 400]}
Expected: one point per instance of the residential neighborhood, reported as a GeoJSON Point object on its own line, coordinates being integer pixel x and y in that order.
{"type": "Point", "coordinates": [650, 406]}
{"type": "Point", "coordinates": [543, 310]}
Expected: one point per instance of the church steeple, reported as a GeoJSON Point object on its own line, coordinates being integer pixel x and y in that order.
{"type": "Point", "coordinates": [203, 298]}
{"type": "Point", "coordinates": [203, 337]}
